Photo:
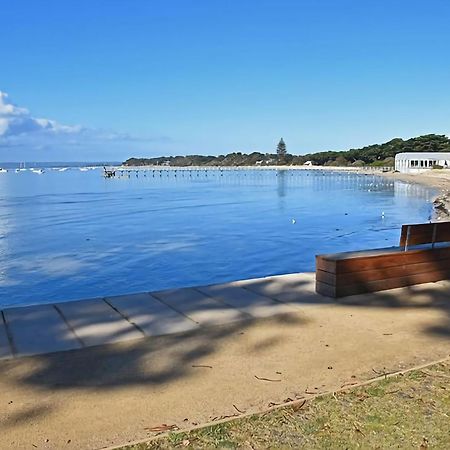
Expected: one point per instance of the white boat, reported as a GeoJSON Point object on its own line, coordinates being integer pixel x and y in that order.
{"type": "Point", "coordinates": [38, 171]}
{"type": "Point", "coordinates": [3, 170]}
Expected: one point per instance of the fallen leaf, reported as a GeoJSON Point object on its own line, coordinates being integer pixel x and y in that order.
{"type": "Point", "coordinates": [296, 407]}
{"type": "Point", "coordinates": [265, 379]}
{"type": "Point", "coordinates": [162, 428]}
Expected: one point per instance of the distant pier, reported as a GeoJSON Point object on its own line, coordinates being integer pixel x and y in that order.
{"type": "Point", "coordinates": [120, 171]}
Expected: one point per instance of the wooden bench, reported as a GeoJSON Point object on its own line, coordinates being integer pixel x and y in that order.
{"type": "Point", "coordinates": [422, 257]}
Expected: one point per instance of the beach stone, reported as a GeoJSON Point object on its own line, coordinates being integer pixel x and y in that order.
{"type": "Point", "coordinates": [153, 317]}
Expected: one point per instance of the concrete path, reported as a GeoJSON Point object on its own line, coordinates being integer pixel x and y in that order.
{"type": "Point", "coordinates": [41, 329]}
{"type": "Point", "coordinates": [213, 361]}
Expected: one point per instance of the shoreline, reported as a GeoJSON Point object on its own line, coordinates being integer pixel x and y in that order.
{"type": "Point", "coordinates": [362, 169]}
{"type": "Point", "coordinates": [435, 179]}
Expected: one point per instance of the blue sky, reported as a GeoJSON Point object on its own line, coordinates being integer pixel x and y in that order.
{"type": "Point", "coordinates": [150, 77]}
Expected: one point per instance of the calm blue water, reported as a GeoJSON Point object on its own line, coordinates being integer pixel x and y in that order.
{"type": "Point", "coordinates": [73, 234]}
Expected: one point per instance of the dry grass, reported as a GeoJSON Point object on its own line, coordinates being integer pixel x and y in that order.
{"type": "Point", "coordinates": [404, 411]}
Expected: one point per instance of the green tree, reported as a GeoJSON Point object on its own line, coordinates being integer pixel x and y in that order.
{"type": "Point", "coordinates": [281, 152]}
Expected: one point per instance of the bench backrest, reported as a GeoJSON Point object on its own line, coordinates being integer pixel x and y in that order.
{"type": "Point", "coordinates": [424, 233]}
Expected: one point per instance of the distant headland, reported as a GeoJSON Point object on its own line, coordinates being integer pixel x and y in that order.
{"type": "Point", "coordinates": [375, 155]}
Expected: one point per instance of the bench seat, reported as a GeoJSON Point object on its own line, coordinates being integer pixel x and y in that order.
{"type": "Point", "coordinates": [350, 273]}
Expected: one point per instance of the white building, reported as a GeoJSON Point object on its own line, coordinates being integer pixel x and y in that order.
{"type": "Point", "coordinates": [419, 162]}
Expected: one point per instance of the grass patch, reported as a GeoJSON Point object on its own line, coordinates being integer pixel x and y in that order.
{"type": "Point", "coordinates": [403, 411]}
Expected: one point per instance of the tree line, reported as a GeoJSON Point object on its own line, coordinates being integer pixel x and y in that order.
{"type": "Point", "coordinates": [375, 155]}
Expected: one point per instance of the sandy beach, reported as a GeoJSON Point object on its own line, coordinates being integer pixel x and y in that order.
{"type": "Point", "coordinates": [437, 179]}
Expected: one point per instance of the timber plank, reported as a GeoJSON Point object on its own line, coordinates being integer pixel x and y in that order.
{"type": "Point", "coordinates": [360, 261]}
{"type": "Point", "coordinates": [382, 274]}
{"type": "Point", "coordinates": [326, 289]}
{"type": "Point", "coordinates": [423, 233]}
{"type": "Point", "coordinates": [381, 285]}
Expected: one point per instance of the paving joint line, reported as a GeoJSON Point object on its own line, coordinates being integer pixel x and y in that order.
{"type": "Point", "coordinates": [281, 302]}
{"type": "Point", "coordinates": [246, 314]}
{"type": "Point", "coordinates": [72, 329]}
{"type": "Point", "coordinates": [172, 308]}
{"type": "Point", "coordinates": [9, 336]}
{"type": "Point", "coordinates": [124, 316]}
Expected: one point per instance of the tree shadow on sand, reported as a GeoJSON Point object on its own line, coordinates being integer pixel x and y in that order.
{"type": "Point", "coordinates": [162, 360]}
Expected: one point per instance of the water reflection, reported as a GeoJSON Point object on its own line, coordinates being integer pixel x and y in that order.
{"type": "Point", "coordinates": [72, 234]}
{"type": "Point", "coordinates": [281, 183]}
{"type": "Point", "coordinates": [6, 227]}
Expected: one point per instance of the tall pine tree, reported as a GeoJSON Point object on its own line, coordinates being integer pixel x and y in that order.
{"type": "Point", "coordinates": [281, 152]}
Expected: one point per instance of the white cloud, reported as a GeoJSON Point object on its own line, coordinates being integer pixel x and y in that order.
{"type": "Point", "coordinates": [15, 121]}
{"type": "Point", "coordinates": [25, 137]}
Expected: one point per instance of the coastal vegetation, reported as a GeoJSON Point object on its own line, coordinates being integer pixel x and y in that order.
{"type": "Point", "coordinates": [403, 411]}
{"type": "Point", "coordinates": [375, 155]}
{"type": "Point", "coordinates": [281, 152]}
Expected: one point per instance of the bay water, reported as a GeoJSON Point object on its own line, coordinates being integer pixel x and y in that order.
{"type": "Point", "coordinates": [72, 234]}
